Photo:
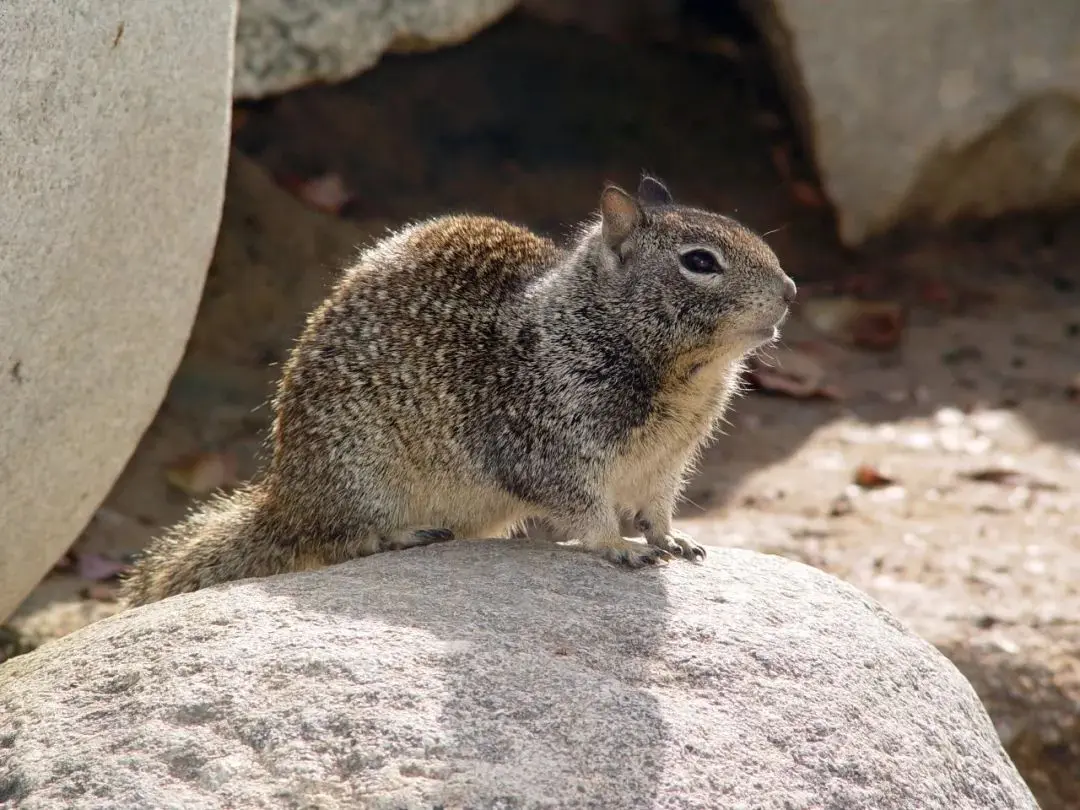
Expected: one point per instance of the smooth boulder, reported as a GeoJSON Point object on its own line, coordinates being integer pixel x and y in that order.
{"type": "Point", "coordinates": [925, 110]}
{"type": "Point", "coordinates": [285, 44]}
{"type": "Point", "coordinates": [503, 674]}
{"type": "Point", "coordinates": [113, 151]}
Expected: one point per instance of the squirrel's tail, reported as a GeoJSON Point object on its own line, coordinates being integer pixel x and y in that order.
{"type": "Point", "coordinates": [227, 538]}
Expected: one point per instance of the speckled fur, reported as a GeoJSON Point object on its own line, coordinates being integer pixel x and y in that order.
{"type": "Point", "coordinates": [467, 375]}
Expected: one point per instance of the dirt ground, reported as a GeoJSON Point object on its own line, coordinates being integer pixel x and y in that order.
{"type": "Point", "coordinates": [926, 448]}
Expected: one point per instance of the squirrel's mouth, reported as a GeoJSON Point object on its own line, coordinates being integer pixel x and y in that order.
{"type": "Point", "coordinates": [766, 335]}
{"type": "Point", "coordinates": [771, 331]}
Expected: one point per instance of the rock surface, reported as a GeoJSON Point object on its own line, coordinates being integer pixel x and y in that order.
{"type": "Point", "coordinates": [503, 674]}
{"type": "Point", "coordinates": [283, 44]}
{"type": "Point", "coordinates": [274, 260]}
{"type": "Point", "coordinates": [113, 152]}
{"type": "Point", "coordinates": [933, 110]}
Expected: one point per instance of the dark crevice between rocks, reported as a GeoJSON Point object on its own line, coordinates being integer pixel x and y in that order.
{"type": "Point", "coordinates": [13, 643]}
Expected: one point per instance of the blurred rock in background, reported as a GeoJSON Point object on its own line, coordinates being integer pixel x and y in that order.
{"type": "Point", "coordinates": [283, 44]}
{"type": "Point", "coordinates": [930, 110]}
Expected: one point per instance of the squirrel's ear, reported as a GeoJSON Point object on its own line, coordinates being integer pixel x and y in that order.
{"type": "Point", "coordinates": [652, 192]}
{"type": "Point", "coordinates": [621, 214]}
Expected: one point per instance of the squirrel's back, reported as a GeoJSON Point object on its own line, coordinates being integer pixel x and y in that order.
{"type": "Point", "coordinates": [415, 317]}
{"type": "Point", "coordinates": [411, 341]}
{"type": "Point", "coordinates": [458, 253]}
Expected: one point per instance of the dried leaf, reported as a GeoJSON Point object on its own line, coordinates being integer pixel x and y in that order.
{"type": "Point", "coordinates": [202, 473]}
{"type": "Point", "coordinates": [880, 332]}
{"type": "Point", "coordinates": [327, 193]}
{"type": "Point", "coordinates": [1072, 390]}
{"type": "Point", "coordinates": [937, 294]}
{"type": "Point", "coordinates": [722, 46]}
{"type": "Point", "coordinates": [239, 118]}
{"type": "Point", "coordinates": [806, 194]}
{"type": "Point", "coordinates": [97, 567]}
{"type": "Point", "coordinates": [793, 373]}
{"type": "Point", "coordinates": [877, 325]}
{"type": "Point", "coordinates": [868, 477]}
{"type": "Point", "coordinates": [768, 120]}
{"type": "Point", "coordinates": [781, 158]}
{"type": "Point", "coordinates": [1008, 477]}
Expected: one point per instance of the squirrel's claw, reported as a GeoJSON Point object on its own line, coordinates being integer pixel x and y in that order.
{"type": "Point", "coordinates": [637, 555]}
{"type": "Point", "coordinates": [679, 544]}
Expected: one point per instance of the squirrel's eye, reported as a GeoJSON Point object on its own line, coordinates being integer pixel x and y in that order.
{"type": "Point", "coordinates": [700, 261]}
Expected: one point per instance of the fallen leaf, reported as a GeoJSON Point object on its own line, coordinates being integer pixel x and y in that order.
{"type": "Point", "coordinates": [722, 46]}
{"type": "Point", "coordinates": [202, 473]}
{"type": "Point", "coordinates": [1072, 390]}
{"type": "Point", "coordinates": [937, 294]}
{"type": "Point", "coordinates": [239, 118]}
{"type": "Point", "coordinates": [290, 181]}
{"type": "Point", "coordinates": [781, 158]}
{"type": "Point", "coordinates": [868, 477]}
{"type": "Point", "coordinates": [768, 120]}
{"type": "Point", "coordinates": [792, 373]}
{"type": "Point", "coordinates": [806, 194]}
{"type": "Point", "coordinates": [97, 567]}
{"type": "Point", "coordinates": [877, 325]}
{"type": "Point", "coordinates": [327, 193]}
{"type": "Point", "coordinates": [1008, 477]}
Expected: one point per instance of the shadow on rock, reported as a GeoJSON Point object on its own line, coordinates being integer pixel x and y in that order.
{"type": "Point", "coordinates": [538, 659]}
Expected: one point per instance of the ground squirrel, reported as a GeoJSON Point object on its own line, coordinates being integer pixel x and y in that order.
{"type": "Point", "coordinates": [466, 375]}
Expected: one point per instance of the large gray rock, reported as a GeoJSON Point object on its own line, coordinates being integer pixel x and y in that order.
{"type": "Point", "coordinates": [928, 109]}
{"type": "Point", "coordinates": [274, 260]}
{"type": "Point", "coordinates": [113, 150]}
{"type": "Point", "coordinates": [503, 674]}
{"type": "Point", "coordinates": [283, 44]}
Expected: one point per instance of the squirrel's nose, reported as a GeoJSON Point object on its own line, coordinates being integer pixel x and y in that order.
{"type": "Point", "coordinates": [789, 290]}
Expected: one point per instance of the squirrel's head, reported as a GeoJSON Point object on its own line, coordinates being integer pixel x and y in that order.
{"type": "Point", "coordinates": [708, 279]}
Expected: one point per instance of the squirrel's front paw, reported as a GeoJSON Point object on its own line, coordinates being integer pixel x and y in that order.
{"type": "Point", "coordinates": [631, 553]}
{"type": "Point", "coordinates": [678, 543]}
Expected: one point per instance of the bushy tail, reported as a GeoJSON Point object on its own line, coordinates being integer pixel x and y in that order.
{"type": "Point", "coordinates": [227, 538]}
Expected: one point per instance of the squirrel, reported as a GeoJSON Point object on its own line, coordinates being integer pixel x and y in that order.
{"type": "Point", "coordinates": [466, 376]}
